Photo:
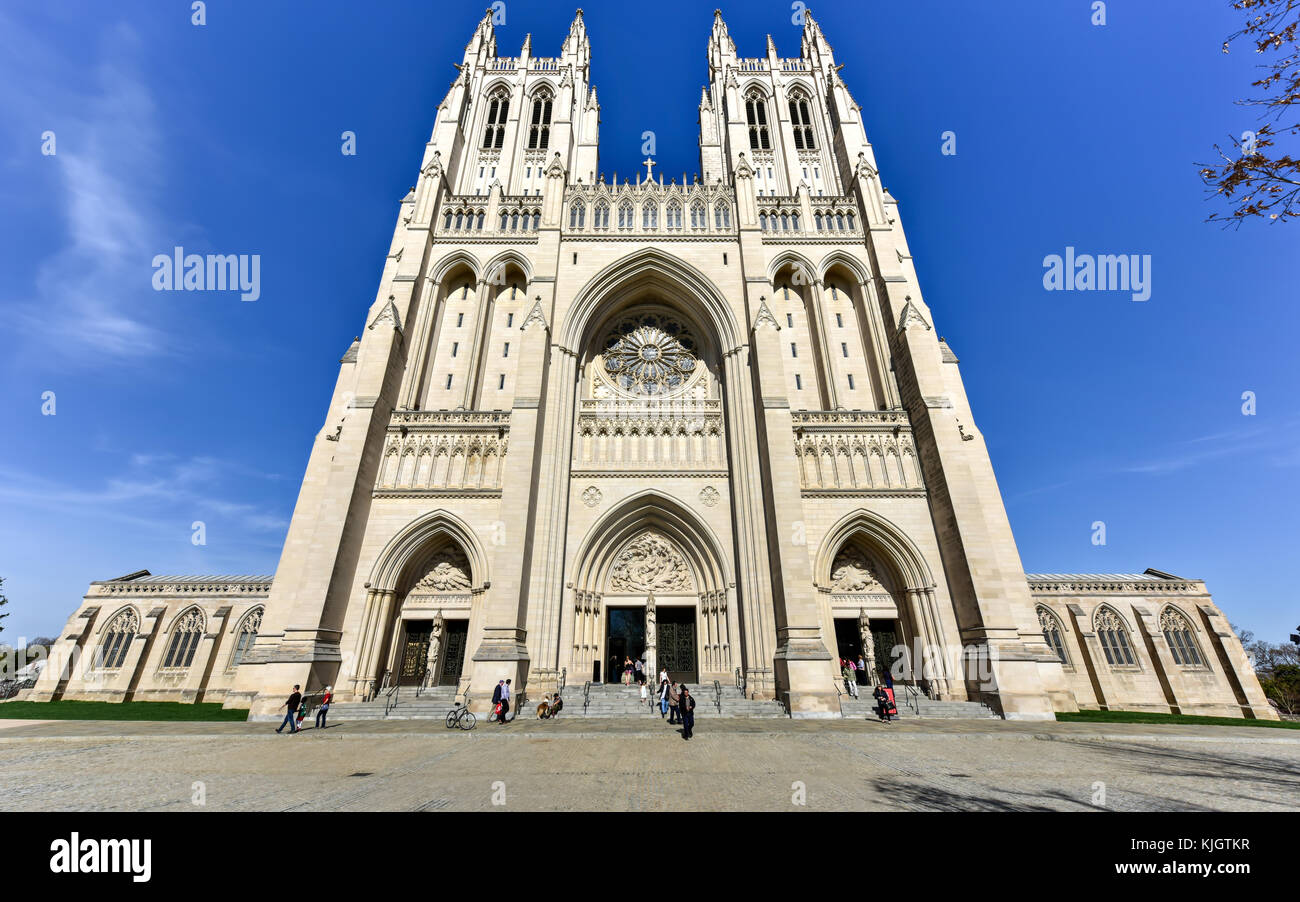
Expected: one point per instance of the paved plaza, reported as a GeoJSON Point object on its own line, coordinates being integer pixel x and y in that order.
{"type": "Point", "coordinates": [730, 765]}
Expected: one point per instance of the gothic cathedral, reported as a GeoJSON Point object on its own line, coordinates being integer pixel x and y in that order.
{"type": "Point", "coordinates": [708, 425]}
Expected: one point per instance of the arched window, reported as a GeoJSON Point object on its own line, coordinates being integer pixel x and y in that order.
{"type": "Point", "coordinates": [818, 218]}
{"type": "Point", "coordinates": [699, 219]}
{"type": "Point", "coordinates": [539, 124]}
{"type": "Point", "coordinates": [246, 635]}
{"type": "Point", "coordinates": [1114, 638]}
{"type": "Point", "coordinates": [722, 216]}
{"type": "Point", "coordinates": [494, 135]}
{"type": "Point", "coordinates": [649, 215]}
{"type": "Point", "coordinates": [447, 224]}
{"type": "Point", "coordinates": [762, 221]}
{"type": "Point", "coordinates": [756, 116]}
{"type": "Point", "coordinates": [186, 633]}
{"type": "Point", "coordinates": [600, 215]}
{"type": "Point", "coordinates": [117, 639]}
{"type": "Point", "coordinates": [1052, 633]}
{"type": "Point", "coordinates": [674, 217]}
{"type": "Point", "coordinates": [577, 215]}
{"type": "Point", "coordinates": [1181, 639]}
{"type": "Point", "coordinates": [801, 123]}
{"type": "Point", "coordinates": [625, 220]}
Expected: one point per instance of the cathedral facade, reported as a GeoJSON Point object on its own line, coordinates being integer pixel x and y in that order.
{"type": "Point", "coordinates": [709, 424]}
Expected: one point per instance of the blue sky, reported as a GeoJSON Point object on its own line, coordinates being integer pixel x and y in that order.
{"type": "Point", "coordinates": [173, 407]}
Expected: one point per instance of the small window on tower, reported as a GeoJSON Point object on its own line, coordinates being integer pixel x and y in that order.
{"type": "Point", "coordinates": [798, 382]}
{"type": "Point", "coordinates": [506, 351]}
{"type": "Point", "coordinates": [501, 382]}
{"type": "Point", "coordinates": [455, 346]}
{"type": "Point", "coordinates": [845, 348]}
{"type": "Point", "coordinates": [789, 320]}
{"type": "Point", "coordinates": [449, 380]}
{"type": "Point", "coordinates": [460, 320]}
{"type": "Point", "coordinates": [510, 320]}
{"type": "Point", "coordinates": [839, 321]}
{"type": "Point", "coordinates": [850, 382]}
{"type": "Point", "coordinates": [794, 349]}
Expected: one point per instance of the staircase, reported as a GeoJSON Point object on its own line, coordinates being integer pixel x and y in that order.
{"type": "Point", "coordinates": [432, 704]}
{"type": "Point", "coordinates": [616, 700]}
{"type": "Point", "coordinates": [865, 707]}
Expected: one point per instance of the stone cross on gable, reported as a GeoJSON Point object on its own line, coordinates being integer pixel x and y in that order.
{"type": "Point", "coordinates": [649, 168]}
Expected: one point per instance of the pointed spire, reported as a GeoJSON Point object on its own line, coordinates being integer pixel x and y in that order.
{"type": "Point", "coordinates": [528, 45]}
{"type": "Point", "coordinates": [771, 48]}
{"type": "Point", "coordinates": [720, 37]}
{"type": "Point", "coordinates": [704, 98]}
{"type": "Point", "coordinates": [577, 29]}
{"type": "Point", "coordinates": [591, 99]}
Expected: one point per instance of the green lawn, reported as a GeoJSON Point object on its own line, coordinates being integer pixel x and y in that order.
{"type": "Point", "coordinates": [1148, 717]}
{"type": "Point", "coordinates": [72, 710]}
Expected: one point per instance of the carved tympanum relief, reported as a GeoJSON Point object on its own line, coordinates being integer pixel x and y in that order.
{"type": "Point", "coordinates": [650, 563]}
{"type": "Point", "coordinates": [447, 571]}
{"type": "Point", "coordinates": [853, 571]}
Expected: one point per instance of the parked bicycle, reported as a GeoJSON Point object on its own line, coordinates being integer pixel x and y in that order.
{"type": "Point", "coordinates": [460, 716]}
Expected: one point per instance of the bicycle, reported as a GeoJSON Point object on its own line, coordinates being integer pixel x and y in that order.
{"type": "Point", "coordinates": [460, 716]}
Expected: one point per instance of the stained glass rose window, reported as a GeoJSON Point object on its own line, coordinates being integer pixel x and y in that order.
{"type": "Point", "coordinates": [649, 354]}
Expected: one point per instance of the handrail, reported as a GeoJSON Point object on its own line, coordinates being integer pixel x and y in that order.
{"type": "Point", "coordinates": [586, 695]}
{"type": "Point", "coordinates": [564, 679]}
{"type": "Point", "coordinates": [912, 697]}
{"type": "Point", "coordinates": [391, 697]}
{"type": "Point", "coordinates": [717, 696]}
{"type": "Point", "coordinates": [740, 681]}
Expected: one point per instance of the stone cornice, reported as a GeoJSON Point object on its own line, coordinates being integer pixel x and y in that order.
{"type": "Point", "coordinates": [1103, 586]}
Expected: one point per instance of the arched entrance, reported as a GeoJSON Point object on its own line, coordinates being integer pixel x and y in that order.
{"type": "Point", "coordinates": [650, 581]}
{"type": "Point", "coordinates": [879, 596]}
{"type": "Point", "coordinates": [422, 606]}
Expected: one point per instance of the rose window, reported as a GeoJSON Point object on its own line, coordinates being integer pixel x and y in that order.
{"type": "Point", "coordinates": [650, 355]}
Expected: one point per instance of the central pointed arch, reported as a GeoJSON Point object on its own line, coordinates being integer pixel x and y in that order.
{"type": "Point", "coordinates": [651, 510]}
{"type": "Point", "coordinates": [649, 268]}
{"type": "Point", "coordinates": [700, 605]}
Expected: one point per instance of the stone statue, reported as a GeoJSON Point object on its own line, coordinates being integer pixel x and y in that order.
{"type": "Point", "coordinates": [435, 648]}
{"type": "Point", "coordinates": [868, 644]}
{"type": "Point", "coordinates": [650, 621]}
{"type": "Point", "coordinates": [650, 656]}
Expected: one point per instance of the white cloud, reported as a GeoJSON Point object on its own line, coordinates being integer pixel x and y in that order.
{"type": "Point", "coordinates": [92, 293]}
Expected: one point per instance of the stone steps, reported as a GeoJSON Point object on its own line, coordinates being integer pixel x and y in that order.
{"type": "Point", "coordinates": [605, 701]}
{"type": "Point", "coordinates": [865, 706]}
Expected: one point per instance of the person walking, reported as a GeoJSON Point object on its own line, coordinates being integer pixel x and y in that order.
{"type": "Point", "coordinates": [496, 700]}
{"type": "Point", "coordinates": [673, 699]}
{"type": "Point", "coordinates": [639, 671]}
{"type": "Point", "coordinates": [885, 704]}
{"type": "Point", "coordinates": [663, 696]}
{"type": "Point", "coordinates": [686, 703]}
{"type": "Point", "coordinates": [505, 701]}
{"type": "Point", "coordinates": [645, 693]}
{"type": "Point", "coordinates": [295, 699]}
{"type": "Point", "coordinates": [324, 707]}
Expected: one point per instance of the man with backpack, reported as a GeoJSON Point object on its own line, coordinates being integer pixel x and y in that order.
{"type": "Point", "coordinates": [292, 704]}
{"type": "Point", "coordinates": [686, 707]}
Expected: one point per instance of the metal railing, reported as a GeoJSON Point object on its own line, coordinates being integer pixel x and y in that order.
{"type": "Point", "coordinates": [911, 697]}
{"type": "Point", "coordinates": [564, 678]}
{"type": "Point", "coordinates": [391, 697]}
{"type": "Point", "coordinates": [586, 695]}
{"type": "Point", "coordinates": [740, 681]}
{"type": "Point", "coordinates": [717, 696]}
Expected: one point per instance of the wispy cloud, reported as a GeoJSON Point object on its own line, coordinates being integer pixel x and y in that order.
{"type": "Point", "coordinates": [1270, 442]}
{"type": "Point", "coordinates": [152, 489]}
{"type": "Point", "coordinates": [90, 293]}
